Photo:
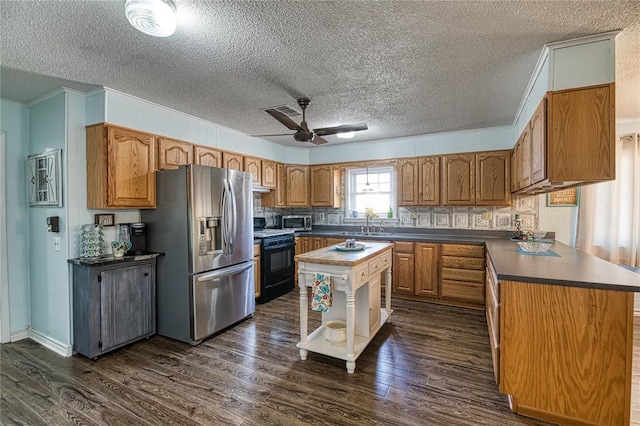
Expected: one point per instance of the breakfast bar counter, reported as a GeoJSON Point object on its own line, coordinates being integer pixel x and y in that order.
{"type": "Point", "coordinates": [355, 276]}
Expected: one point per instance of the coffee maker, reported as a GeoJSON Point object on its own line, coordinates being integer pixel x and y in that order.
{"type": "Point", "coordinates": [136, 233]}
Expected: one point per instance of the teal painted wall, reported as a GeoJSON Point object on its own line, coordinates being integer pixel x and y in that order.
{"type": "Point", "coordinates": [14, 120]}
{"type": "Point", "coordinates": [49, 273]}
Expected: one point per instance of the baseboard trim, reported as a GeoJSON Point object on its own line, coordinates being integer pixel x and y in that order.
{"type": "Point", "coordinates": [51, 344]}
{"type": "Point", "coordinates": [19, 335]}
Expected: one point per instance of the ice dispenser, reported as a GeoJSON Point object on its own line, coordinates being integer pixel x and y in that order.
{"type": "Point", "coordinates": [209, 236]}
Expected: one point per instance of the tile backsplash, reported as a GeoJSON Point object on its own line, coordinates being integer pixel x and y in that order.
{"type": "Point", "coordinates": [484, 218]}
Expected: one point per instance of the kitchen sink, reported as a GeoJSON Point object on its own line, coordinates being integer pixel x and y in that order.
{"type": "Point", "coordinates": [367, 234]}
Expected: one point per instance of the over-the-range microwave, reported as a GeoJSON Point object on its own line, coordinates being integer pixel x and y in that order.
{"type": "Point", "coordinates": [297, 222]}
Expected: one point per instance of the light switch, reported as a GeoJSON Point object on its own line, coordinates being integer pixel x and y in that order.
{"type": "Point", "coordinates": [56, 243]}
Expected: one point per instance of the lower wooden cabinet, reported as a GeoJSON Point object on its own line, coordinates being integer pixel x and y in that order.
{"type": "Point", "coordinates": [415, 269]}
{"type": "Point", "coordinates": [463, 272]}
{"type": "Point", "coordinates": [113, 305]}
{"type": "Point", "coordinates": [257, 272]}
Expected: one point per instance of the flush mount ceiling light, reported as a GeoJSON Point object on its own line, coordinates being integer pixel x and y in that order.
{"type": "Point", "coordinates": [345, 135]}
{"type": "Point", "coordinates": [153, 17]}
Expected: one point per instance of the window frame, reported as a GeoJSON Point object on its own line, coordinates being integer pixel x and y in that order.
{"type": "Point", "coordinates": [352, 172]}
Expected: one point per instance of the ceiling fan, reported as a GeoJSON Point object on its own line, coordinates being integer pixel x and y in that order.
{"type": "Point", "coordinates": [303, 134]}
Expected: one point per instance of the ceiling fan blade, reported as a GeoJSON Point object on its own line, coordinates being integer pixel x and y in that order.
{"type": "Point", "coordinates": [318, 140]}
{"type": "Point", "coordinates": [340, 129]}
{"type": "Point", "coordinates": [268, 136]}
{"type": "Point", "coordinates": [283, 119]}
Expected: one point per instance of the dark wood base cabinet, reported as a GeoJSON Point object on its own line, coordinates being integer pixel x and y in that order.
{"type": "Point", "coordinates": [113, 305]}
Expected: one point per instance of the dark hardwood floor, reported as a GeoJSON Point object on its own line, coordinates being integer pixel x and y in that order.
{"type": "Point", "coordinates": [430, 366]}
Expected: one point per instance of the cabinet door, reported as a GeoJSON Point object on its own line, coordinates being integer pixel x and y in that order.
{"type": "Point", "coordinates": [492, 179]}
{"type": "Point", "coordinates": [458, 184]}
{"type": "Point", "coordinates": [514, 171]}
{"type": "Point", "coordinates": [525, 158]}
{"type": "Point", "coordinates": [254, 166]}
{"type": "Point", "coordinates": [538, 126]}
{"type": "Point", "coordinates": [408, 182]}
{"type": "Point", "coordinates": [426, 272]}
{"type": "Point", "coordinates": [127, 305]}
{"type": "Point", "coordinates": [325, 186]}
{"type": "Point", "coordinates": [297, 178]}
{"type": "Point", "coordinates": [131, 169]}
{"type": "Point", "coordinates": [207, 157]}
{"type": "Point", "coordinates": [374, 303]}
{"type": "Point", "coordinates": [403, 268]}
{"type": "Point", "coordinates": [305, 245]}
{"type": "Point", "coordinates": [429, 186]}
{"type": "Point", "coordinates": [581, 134]}
{"type": "Point", "coordinates": [172, 154]}
{"type": "Point", "coordinates": [277, 198]}
{"type": "Point", "coordinates": [257, 272]}
{"type": "Point", "coordinates": [317, 243]}
{"type": "Point", "coordinates": [333, 241]}
{"type": "Point", "coordinates": [232, 161]}
{"type": "Point", "coordinates": [269, 174]}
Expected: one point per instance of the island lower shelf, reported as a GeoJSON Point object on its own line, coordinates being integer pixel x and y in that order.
{"type": "Point", "coordinates": [318, 344]}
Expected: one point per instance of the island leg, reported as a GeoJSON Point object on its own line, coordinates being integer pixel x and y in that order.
{"type": "Point", "coordinates": [387, 292]}
{"type": "Point", "coordinates": [351, 329]}
{"type": "Point", "coordinates": [303, 319]}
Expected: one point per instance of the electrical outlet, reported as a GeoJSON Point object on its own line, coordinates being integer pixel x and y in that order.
{"type": "Point", "coordinates": [486, 215]}
{"type": "Point", "coordinates": [321, 217]}
{"type": "Point", "coordinates": [56, 243]}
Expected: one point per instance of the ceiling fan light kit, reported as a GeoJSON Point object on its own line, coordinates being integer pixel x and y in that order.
{"type": "Point", "coordinates": [302, 132]}
{"type": "Point", "coordinates": [153, 17]}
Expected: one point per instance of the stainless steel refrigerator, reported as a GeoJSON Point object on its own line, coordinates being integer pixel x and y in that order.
{"type": "Point", "coordinates": [203, 224]}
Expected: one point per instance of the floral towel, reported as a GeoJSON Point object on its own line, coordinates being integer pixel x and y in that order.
{"type": "Point", "coordinates": [321, 292]}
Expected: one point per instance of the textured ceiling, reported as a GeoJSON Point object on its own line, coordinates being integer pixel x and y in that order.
{"type": "Point", "coordinates": [403, 67]}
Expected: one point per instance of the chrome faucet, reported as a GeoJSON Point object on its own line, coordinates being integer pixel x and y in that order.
{"type": "Point", "coordinates": [367, 227]}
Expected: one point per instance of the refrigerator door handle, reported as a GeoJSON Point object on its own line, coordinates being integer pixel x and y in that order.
{"type": "Point", "coordinates": [225, 217]}
{"type": "Point", "coordinates": [234, 218]}
{"type": "Point", "coordinates": [233, 270]}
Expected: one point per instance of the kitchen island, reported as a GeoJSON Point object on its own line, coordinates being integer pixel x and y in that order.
{"type": "Point", "coordinates": [356, 278]}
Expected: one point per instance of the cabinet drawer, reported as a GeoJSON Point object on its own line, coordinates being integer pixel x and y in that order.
{"type": "Point", "coordinates": [476, 263]}
{"type": "Point", "coordinates": [462, 250]}
{"type": "Point", "coordinates": [385, 260]}
{"type": "Point", "coordinates": [362, 273]}
{"type": "Point", "coordinates": [375, 266]}
{"type": "Point", "coordinates": [462, 275]}
{"type": "Point", "coordinates": [463, 290]}
{"type": "Point", "coordinates": [403, 247]}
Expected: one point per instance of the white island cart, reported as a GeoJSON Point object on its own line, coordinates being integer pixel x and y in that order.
{"type": "Point", "coordinates": [356, 276]}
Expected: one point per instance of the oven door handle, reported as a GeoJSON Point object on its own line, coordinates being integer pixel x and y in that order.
{"type": "Point", "coordinates": [233, 270]}
{"type": "Point", "coordinates": [279, 246]}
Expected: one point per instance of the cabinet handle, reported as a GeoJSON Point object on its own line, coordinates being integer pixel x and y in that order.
{"type": "Point", "coordinates": [146, 274]}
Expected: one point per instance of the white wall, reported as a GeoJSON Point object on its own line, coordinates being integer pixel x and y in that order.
{"type": "Point", "coordinates": [14, 120]}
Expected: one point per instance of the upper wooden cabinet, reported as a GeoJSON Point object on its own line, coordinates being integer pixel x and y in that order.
{"type": "Point", "coordinates": [207, 156]}
{"type": "Point", "coordinates": [325, 186]}
{"type": "Point", "coordinates": [120, 168]}
{"type": "Point", "coordinates": [173, 153]}
{"type": "Point", "coordinates": [278, 197]}
{"type": "Point", "coordinates": [492, 178]}
{"type": "Point", "coordinates": [269, 178]}
{"type": "Point", "coordinates": [458, 180]}
{"type": "Point", "coordinates": [419, 181]}
{"type": "Point", "coordinates": [571, 140]}
{"type": "Point", "coordinates": [232, 161]}
{"type": "Point", "coordinates": [538, 130]}
{"type": "Point", "coordinates": [297, 185]}
{"type": "Point", "coordinates": [253, 165]}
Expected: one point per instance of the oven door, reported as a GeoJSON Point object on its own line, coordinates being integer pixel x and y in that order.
{"type": "Point", "coordinates": [278, 270]}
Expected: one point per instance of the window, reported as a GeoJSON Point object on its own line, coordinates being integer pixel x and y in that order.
{"type": "Point", "coordinates": [371, 187]}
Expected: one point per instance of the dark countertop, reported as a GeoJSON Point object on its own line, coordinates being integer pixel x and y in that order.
{"type": "Point", "coordinates": [572, 268]}
{"type": "Point", "coordinates": [108, 260]}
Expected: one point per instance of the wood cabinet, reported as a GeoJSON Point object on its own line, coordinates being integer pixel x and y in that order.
{"type": "Point", "coordinates": [297, 185]}
{"type": "Point", "coordinates": [419, 181]}
{"type": "Point", "coordinates": [426, 269]}
{"type": "Point", "coordinates": [492, 178]}
{"type": "Point", "coordinates": [269, 174]}
{"type": "Point", "coordinates": [463, 272]}
{"type": "Point", "coordinates": [207, 156]}
{"type": "Point", "coordinates": [551, 342]}
{"type": "Point", "coordinates": [233, 161]}
{"type": "Point", "coordinates": [277, 197]}
{"type": "Point", "coordinates": [253, 165]}
{"type": "Point", "coordinates": [173, 153]}
{"type": "Point", "coordinates": [120, 168]}
{"type": "Point", "coordinates": [317, 243]}
{"type": "Point", "coordinates": [569, 141]}
{"type": "Point", "coordinates": [257, 270]}
{"type": "Point", "coordinates": [113, 305]}
{"type": "Point", "coordinates": [403, 270]}
{"type": "Point", "coordinates": [325, 186]}
{"type": "Point", "coordinates": [458, 180]}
